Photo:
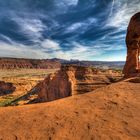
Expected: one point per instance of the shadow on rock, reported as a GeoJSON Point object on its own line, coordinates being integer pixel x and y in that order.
{"type": "Point", "coordinates": [6, 88]}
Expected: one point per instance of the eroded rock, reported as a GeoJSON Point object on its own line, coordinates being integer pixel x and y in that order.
{"type": "Point", "coordinates": [71, 80]}
{"type": "Point", "coordinates": [132, 66]}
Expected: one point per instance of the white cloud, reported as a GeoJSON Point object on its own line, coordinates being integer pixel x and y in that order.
{"type": "Point", "coordinates": [24, 51]}
{"type": "Point", "coordinates": [67, 3]}
{"type": "Point", "coordinates": [63, 5]}
{"type": "Point", "coordinates": [74, 27]}
{"type": "Point", "coordinates": [79, 51]}
{"type": "Point", "coordinates": [112, 7]}
{"type": "Point", "coordinates": [115, 57]}
{"type": "Point", "coordinates": [50, 44]}
{"type": "Point", "coordinates": [113, 48]}
{"type": "Point", "coordinates": [33, 25]}
{"type": "Point", "coordinates": [83, 25]}
{"type": "Point", "coordinates": [7, 39]}
{"type": "Point", "coordinates": [71, 2]}
{"type": "Point", "coordinates": [32, 28]}
{"type": "Point", "coordinates": [20, 51]}
{"type": "Point", "coordinates": [123, 12]}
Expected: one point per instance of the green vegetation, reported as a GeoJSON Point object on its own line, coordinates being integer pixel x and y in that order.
{"type": "Point", "coordinates": [6, 102]}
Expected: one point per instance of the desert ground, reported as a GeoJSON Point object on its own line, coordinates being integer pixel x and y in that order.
{"type": "Point", "coordinates": [108, 113]}
{"type": "Point", "coordinates": [76, 99]}
{"type": "Point", "coordinates": [24, 80]}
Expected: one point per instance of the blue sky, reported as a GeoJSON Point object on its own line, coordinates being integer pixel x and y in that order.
{"type": "Point", "coordinates": [67, 29]}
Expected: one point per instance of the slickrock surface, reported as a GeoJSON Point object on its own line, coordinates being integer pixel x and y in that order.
{"type": "Point", "coordinates": [132, 66]}
{"type": "Point", "coordinates": [71, 80]}
{"type": "Point", "coordinates": [19, 63]}
{"type": "Point", "coordinates": [108, 113]}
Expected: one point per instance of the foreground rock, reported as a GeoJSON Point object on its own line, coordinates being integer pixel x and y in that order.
{"type": "Point", "coordinates": [108, 113]}
{"type": "Point", "coordinates": [132, 66]}
{"type": "Point", "coordinates": [6, 88]}
{"type": "Point", "coordinates": [71, 80]}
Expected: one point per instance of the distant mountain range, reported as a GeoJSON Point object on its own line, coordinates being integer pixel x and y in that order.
{"type": "Point", "coordinates": [96, 64]}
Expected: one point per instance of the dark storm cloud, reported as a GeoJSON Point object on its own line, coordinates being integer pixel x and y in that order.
{"type": "Point", "coordinates": [78, 29]}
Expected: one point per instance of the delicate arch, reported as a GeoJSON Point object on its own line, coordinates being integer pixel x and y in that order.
{"type": "Point", "coordinates": [132, 66]}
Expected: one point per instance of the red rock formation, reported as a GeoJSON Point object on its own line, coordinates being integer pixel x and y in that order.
{"type": "Point", "coordinates": [132, 66]}
{"type": "Point", "coordinates": [55, 86]}
{"type": "Point", "coordinates": [13, 63]}
{"type": "Point", "coordinates": [6, 88]}
{"type": "Point", "coordinates": [70, 80]}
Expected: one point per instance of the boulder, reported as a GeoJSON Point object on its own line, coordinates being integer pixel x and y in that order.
{"type": "Point", "coordinates": [6, 88]}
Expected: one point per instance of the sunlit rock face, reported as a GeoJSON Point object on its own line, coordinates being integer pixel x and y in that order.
{"type": "Point", "coordinates": [132, 66]}
{"type": "Point", "coordinates": [71, 80]}
{"type": "Point", "coordinates": [55, 86]}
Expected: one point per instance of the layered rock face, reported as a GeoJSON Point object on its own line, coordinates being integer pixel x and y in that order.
{"type": "Point", "coordinates": [13, 63]}
{"type": "Point", "coordinates": [6, 88]}
{"type": "Point", "coordinates": [132, 66]}
{"type": "Point", "coordinates": [71, 80]}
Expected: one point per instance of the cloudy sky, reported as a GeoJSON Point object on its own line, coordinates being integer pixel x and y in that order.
{"type": "Point", "coordinates": [67, 29]}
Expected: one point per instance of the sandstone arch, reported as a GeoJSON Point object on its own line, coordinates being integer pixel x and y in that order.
{"type": "Point", "coordinates": [132, 66]}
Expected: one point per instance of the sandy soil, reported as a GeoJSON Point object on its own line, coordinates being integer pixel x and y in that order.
{"type": "Point", "coordinates": [109, 113]}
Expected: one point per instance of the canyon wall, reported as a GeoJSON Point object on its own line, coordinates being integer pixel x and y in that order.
{"type": "Point", "coordinates": [71, 80]}
{"type": "Point", "coordinates": [19, 63]}
{"type": "Point", "coordinates": [132, 66]}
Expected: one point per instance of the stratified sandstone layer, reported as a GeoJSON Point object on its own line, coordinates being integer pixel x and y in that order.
{"type": "Point", "coordinates": [132, 66]}
{"type": "Point", "coordinates": [108, 113]}
{"type": "Point", "coordinates": [71, 80]}
{"type": "Point", "coordinates": [20, 63]}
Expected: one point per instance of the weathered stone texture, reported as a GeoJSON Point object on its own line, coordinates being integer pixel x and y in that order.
{"type": "Point", "coordinates": [132, 66]}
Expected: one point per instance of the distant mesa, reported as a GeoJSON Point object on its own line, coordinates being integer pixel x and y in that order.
{"type": "Point", "coordinates": [21, 63]}
{"type": "Point", "coordinates": [55, 63]}
{"type": "Point", "coordinates": [132, 66]}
